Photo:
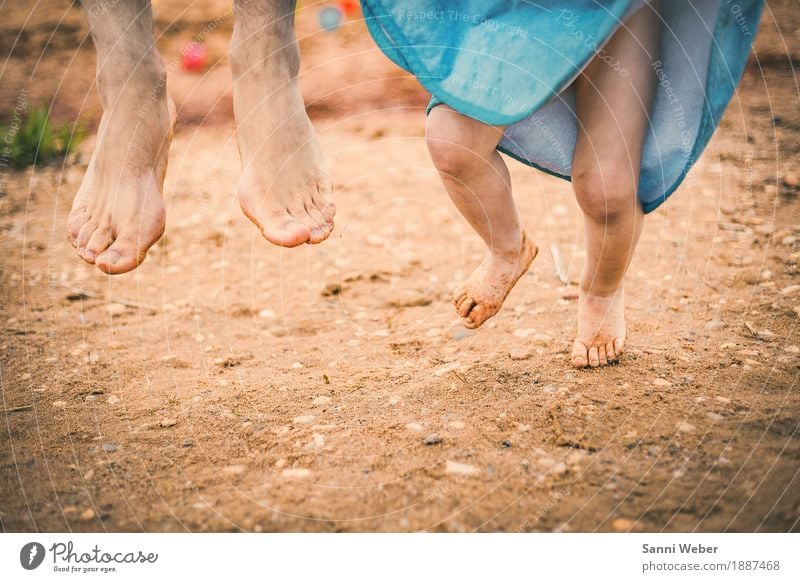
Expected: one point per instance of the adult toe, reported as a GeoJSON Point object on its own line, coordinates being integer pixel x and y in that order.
{"type": "Point", "coordinates": [85, 233]}
{"type": "Point", "coordinates": [122, 256]}
{"type": "Point", "coordinates": [98, 242]}
{"type": "Point", "coordinates": [284, 230]}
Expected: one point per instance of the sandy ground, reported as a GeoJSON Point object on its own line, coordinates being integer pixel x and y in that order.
{"type": "Point", "coordinates": [228, 384]}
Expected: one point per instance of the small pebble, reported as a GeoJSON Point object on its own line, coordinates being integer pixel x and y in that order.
{"type": "Point", "coordinates": [109, 447]}
{"type": "Point", "coordinates": [545, 462]}
{"type": "Point", "coordinates": [295, 473]}
{"type": "Point", "coordinates": [414, 427]}
{"type": "Point", "coordinates": [456, 468]}
{"type": "Point", "coordinates": [235, 469]}
{"type": "Point", "coordinates": [321, 400]}
{"type": "Point", "coordinates": [305, 419]}
{"type": "Point", "coordinates": [433, 439]}
{"type": "Point", "coordinates": [569, 293]}
{"type": "Point", "coordinates": [520, 353]}
{"type": "Point", "coordinates": [166, 423]}
{"type": "Point", "coordinates": [113, 399]}
{"type": "Point", "coordinates": [115, 309]}
{"type": "Point", "coordinates": [622, 524]}
{"type": "Point", "coordinates": [662, 383]}
{"type": "Point", "coordinates": [446, 369]}
{"type": "Point", "coordinates": [684, 427]}
{"type": "Point", "coordinates": [59, 403]}
{"type": "Point", "coordinates": [524, 332]}
{"type": "Point", "coordinates": [87, 514]}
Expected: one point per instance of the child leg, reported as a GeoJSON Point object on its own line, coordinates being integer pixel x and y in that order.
{"type": "Point", "coordinates": [118, 212]}
{"type": "Point", "coordinates": [477, 180]}
{"type": "Point", "coordinates": [284, 188]}
{"type": "Point", "coordinates": [613, 114]}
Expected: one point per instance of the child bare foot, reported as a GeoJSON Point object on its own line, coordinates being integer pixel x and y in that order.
{"type": "Point", "coordinates": [118, 212]}
{"type": "Point", "coordinates": [601, 330]}
{"type": "Point", "coordinates": [483, 294]}
{"type": "Point", "coordinates": [284, 190]}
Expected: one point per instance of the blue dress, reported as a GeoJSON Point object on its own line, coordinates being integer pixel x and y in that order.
{"type": "Point", "coordinates": [513, 63]}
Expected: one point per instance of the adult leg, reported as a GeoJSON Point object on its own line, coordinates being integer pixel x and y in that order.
{"type": "Point", "coordinates": [284, 188]}
{"type": "Point", "coordinates": [613, 114]}
{"type": "Point", "coordinates": [118, 212]}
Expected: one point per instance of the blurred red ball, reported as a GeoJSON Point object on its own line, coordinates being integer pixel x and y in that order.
{"type": "Point", "coordinates": [348, 6]}
{"type": "Point", "coordinates": [194, 57]}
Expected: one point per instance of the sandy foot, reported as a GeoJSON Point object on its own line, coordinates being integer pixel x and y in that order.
{"type": "Point", "coordinates": [483, 294]}
{"type": "Point", "coordinates": [601, 330]}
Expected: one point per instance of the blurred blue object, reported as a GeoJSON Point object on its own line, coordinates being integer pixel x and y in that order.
{"type": "Point", "coordinates": [330, 18]}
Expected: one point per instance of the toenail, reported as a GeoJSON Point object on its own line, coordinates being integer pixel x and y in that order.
{"type": "Point", "coordinates": [114, 257]}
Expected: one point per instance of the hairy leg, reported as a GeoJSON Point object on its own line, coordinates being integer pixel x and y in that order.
{"type": "Point", "coordinates": [477, 180]}
{"type": "Point", "coordinates": [118, 212]}
{"type": "Point", "coordinates": [613, 113]}
{"type": "Point", "coordinates": [284, 190]}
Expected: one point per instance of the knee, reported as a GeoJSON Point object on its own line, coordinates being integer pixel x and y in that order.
{"type": "Point", "coordinates": [605, 195]}
{"type": "Point", "coordinates": [452, 157]}
{"type": "Point", "coordinates": [451, 160]}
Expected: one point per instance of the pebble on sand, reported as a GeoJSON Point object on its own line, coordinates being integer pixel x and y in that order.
{"type": "Point", "coordinates": [446, 369]}
{"type": "Point", "coordinates": [305, 419]}
{"type": "Point", "coordinates": [662, 383]}
{"type": "Point", "coordinates": [168, 422]}
{"type": "Point", "coordinates": [115, 309]}
{"type": "Point", "coordinates": [109, 447]}
{"type": "Point", "coordinates": [414, 427]}
{"type": "Point", "coordinates": [113, 399]}
{"type": "Point", "coordinates": [524, 332]}
{"type": "Point", "coordinates": [320, 400]}
{"type": "Point", "coordinates": [546, 463]}
{"type": "Point", "coordinates": [433, 439]}
{"type": "Point", "coordinates": [570, 293]}
{"type": "Point", "coordinates": [621, 524]}
{"type": "Point", "coordinates": [456, 468]}
{"type": "Point", "coordinates": [295, 473]}
{"type": "Point", "coordinates": [235, 469]}
{"type": "Point", "coordinates": [59, 404]}
{"type": "Point", "coordinates": [684, 427]}
{"type": "Point", "coordinates": [87, 514]}
{"type": "Point", "coordinates": [520, 353]}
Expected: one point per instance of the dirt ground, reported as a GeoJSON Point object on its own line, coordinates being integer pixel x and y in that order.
{"type": "Point", "coordinates": [231, 385]}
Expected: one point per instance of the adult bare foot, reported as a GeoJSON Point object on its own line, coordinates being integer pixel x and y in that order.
{"type": "Point", "coordinates": [118, 212]}
{"type": "Point", "coordinates": [284, 190]}
{"type": "Point", "coordinates": [484, 292]}
{"type": "Point", "coordinates": [601, 330]}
